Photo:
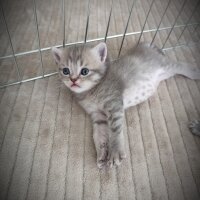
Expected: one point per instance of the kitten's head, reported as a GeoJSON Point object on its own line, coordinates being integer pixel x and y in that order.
{"type": "Point", "coordinates": [81, 67]}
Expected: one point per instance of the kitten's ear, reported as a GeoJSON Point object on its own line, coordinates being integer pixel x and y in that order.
{"type": "Point", "coordinates": [100, 51]}
{"type": "Point", "coordinates": [56, 54]}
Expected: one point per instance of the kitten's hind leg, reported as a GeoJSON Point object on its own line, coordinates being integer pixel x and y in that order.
{"type": "Point", "coordinates": [194, 127]}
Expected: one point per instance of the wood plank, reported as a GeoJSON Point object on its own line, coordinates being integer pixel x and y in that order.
{"type": "Point", "coordinates": [75, 157]}
{"type": "Point", "coordinates": [173, 182]}
{"type": "Point", "coordinates": [125, 176]}
{"type": "Point", "coordinates": [20, 177]}
{"type": "Point", "coordinates": [21, 173]}
{"type": "Point", "coordinates": [109, 186]}
{"type": "Point", "coordinates": [41, 157]}
{"type": "Point", "coordinates": [6, 107]}
{"type": "Point", "coordinates": [156, 176]}
{"type": "Point", "coordinates": [58, 162]}
{"type": "Point", "coordinates": [91, 186]}
{"type": "Point", "coordinates": [2, 91]}
{"type": "Point", "coordinates": [13, 136]}
{"type": "Point", "coordinates": [138, 158]}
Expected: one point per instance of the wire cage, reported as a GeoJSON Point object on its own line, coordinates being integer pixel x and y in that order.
{"type": "Point", "coordinates": [30, 28]}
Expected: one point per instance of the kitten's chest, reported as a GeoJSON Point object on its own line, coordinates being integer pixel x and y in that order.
{"type": "Point", "coordinates": [89, 105]}
{"type": "Point", "coordinates": [138, 93]}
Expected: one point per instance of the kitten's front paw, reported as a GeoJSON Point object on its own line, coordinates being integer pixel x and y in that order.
{"type": "Point", "coordinates": [115, 157]}
{"type": "Point", "coordinates": [194, 127]}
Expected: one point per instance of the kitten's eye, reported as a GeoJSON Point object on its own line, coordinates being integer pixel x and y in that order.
{"type": "Point", "coordinates": [84, 71]}
{"type": "Point", "coordinates": [66, 71]}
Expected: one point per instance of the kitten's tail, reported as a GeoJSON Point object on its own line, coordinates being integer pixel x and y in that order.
{"type": "Point", "coordinates": [185, 69]}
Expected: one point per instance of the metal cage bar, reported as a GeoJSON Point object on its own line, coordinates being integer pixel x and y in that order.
{"type": "Point", "coordinates": [29, 79]}
{"type": "Point", "coordinates": [87, 23]}
{"type": "Point", "coordinates": [63, 10]}
{"type": "Point", "coordinates": [145, 21]}
{"type": "Point", "coordinates": [12, 48]}
{"type": "Point", "coordinates": [133, 4]}
{"type": "Point", "coordinates": [38, 35]}
{"type": "Point", "coordinates": [108, 24]}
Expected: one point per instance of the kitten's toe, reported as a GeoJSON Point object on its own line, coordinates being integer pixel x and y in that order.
{"type": "Point", "coordinates": [115, 158]}
{"type": "Point", "coordinates": [194, 127]}
{"type": "Point", "coordinates": [101, 163]}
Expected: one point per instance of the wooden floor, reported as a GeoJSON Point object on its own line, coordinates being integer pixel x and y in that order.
{"type": "Point", "coordinates": [46, 145]}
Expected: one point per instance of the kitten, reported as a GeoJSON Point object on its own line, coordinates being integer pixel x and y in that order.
{"type": "Point", "coordinates": [104, 89]}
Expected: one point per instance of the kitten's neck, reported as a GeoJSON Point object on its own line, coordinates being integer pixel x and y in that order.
{"type": "Point", "coordinates": [80, 96]}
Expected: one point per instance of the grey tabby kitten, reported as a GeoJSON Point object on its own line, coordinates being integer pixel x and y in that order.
{"type": "Point", "coordinates": [105, 89]}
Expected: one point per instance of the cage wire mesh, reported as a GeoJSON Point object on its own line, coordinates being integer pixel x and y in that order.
{"type": "Point", "coordinates": [29, 28]}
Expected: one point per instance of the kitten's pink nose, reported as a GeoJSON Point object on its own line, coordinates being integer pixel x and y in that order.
{"type": "Point", "coordinates": [73, 79]}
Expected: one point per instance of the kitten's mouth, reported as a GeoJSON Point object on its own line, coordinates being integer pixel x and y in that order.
{"type": "Point", "coordinates": [74, 85]}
